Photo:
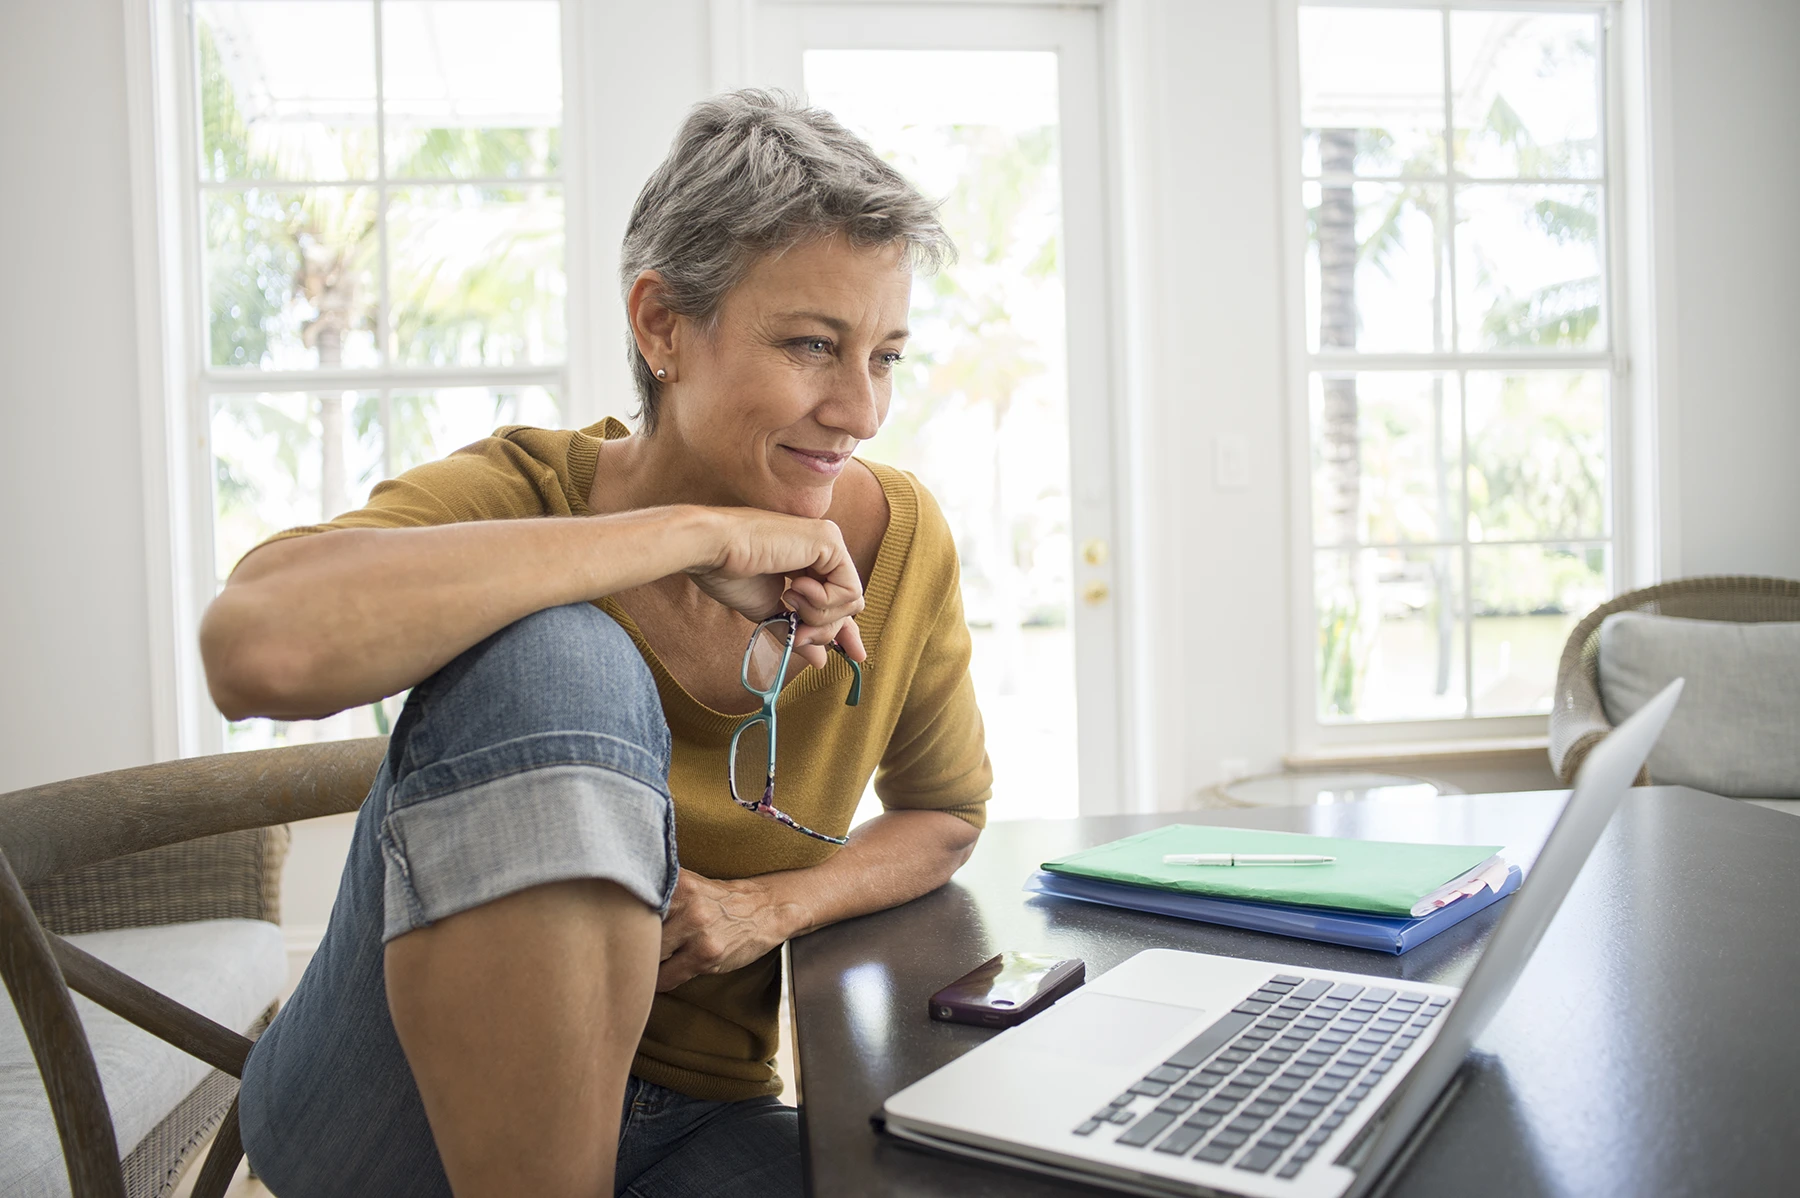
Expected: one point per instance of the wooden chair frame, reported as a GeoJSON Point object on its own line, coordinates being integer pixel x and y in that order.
{"type": "Point", "coordinates": [46, 830]}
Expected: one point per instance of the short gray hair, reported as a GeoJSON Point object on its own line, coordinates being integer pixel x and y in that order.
{"type": "Point", "coordinates": [754, 173]}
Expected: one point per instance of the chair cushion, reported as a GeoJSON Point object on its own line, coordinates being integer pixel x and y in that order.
{"type": "Point", "coordinates": [229, 970]}
{"type": "Point", "coordinates": [1736, 730]}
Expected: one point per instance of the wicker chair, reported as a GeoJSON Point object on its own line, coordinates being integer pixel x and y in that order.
{"type": "Point", "coordinates": [177, 842]}
{"type": "Point", "coordinates": [1578, 720]}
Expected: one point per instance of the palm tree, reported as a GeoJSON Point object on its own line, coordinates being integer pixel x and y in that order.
{"type": "Point", "coordinates": [332, 244]}
{"type": "Point", "coordinates": [1340, 434]}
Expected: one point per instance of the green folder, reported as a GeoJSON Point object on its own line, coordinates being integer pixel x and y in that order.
{"type": "Point", "coordinates": [1379, 877]}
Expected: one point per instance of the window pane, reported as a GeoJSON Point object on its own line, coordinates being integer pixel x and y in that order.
{"type": "Point", "coordinates": [1390, 634]}
{"type": "Point", "coordinates": [1371, 92]}
{"type": "Point", "coordinates": [287, 89]}
{"type": "Point", "coordinates": [290, 277]}
{"type": "Point", "coordinates": [424, 426]}
{"type": "Point", "coordinates": [981, 409]}
{"type": "Point", "coordinates": [286, 459]}
{"type": "Point", "coordinates": [1526, 600]}
{"type": "Point", "coordinates": [472, 89]}
{"type": "Point", "coordinates": [1527, 93]}
{"type": "Point", "coordinates": [1376, 279]}
{"type": "Point", "coordinates": [1528, 267]}
{"type": "Point", "coordinates": [1537, 455]}
{"type": "Point", "coordinates": [478, 277]}
{"type": "Point", "coordinates": [1386, 456]}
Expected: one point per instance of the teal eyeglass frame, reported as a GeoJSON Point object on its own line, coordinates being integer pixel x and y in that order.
{"type": "Point", "coordinates": [766, 805]}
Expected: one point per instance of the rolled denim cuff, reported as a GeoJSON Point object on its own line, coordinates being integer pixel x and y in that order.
{"type": "Point", "coordinates": [546, 808]}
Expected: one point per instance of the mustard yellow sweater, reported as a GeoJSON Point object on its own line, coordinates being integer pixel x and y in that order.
{"type": "Point", "coordinates": [917, 729]}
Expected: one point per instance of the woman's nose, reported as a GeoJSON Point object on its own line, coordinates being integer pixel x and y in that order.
{"type": "Point", "coordinates": [855, 405]}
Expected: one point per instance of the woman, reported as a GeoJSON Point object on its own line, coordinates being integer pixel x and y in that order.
{"type": "Point", "coordinates": [520, 991]}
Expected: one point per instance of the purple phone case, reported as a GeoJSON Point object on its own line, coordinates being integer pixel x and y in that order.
{"type": "Point", "coordinates": [971, 998]}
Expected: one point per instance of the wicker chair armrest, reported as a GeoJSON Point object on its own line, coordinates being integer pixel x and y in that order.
{"type": "Point", "coordinates": [235, 875]}
{"type": "Point", "coordinates": [1571, 742]}
{"type": "Point", "coordinates": [62, 826]}
{"type": "Point", "coordinates": [1578, 719]}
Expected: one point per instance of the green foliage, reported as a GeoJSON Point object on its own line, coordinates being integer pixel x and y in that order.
{"type": "Point", "coordinates": [476, 153]}
{"type": "Point", "coordinates": [225, 142]}
{"type": "Point", "coordinates": [1558, 314]}
{"type": "Point", "coordinates": [478, 265]}
{"type": "Point", "coordinates": [1536, 580]}
{"type": "Point", "coordinates": [1341, 666]}
{"type": "Point", "coordinates": [247, 279]}
{"type": "Point", "coordinates": [1536, 460]}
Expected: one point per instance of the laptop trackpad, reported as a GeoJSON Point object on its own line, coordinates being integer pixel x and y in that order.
{"type": "Point", "coordinates": [1103, 1028]}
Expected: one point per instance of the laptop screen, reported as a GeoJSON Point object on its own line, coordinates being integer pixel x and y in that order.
{"type": "Point", "coordinates": [1599, 788]}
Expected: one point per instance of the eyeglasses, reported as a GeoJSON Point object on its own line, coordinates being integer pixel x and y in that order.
{"type": "Point", "coordinates": [753, 744]}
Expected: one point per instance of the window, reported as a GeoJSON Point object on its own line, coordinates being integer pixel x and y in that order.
{"type": "Point", "coordinates": [1459, 353]}
{"type": "Point", "coordinates": [378, 191]}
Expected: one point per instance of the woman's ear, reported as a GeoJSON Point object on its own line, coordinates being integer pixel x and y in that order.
{"type": "Point", "coordinates": [654, 325]}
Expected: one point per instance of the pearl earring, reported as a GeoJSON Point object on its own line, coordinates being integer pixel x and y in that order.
{"type": "Point", "coordinates": [662, 374]}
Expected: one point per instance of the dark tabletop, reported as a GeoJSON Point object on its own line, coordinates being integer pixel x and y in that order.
{"type": "Point", "coordinates": [1648, 1049]}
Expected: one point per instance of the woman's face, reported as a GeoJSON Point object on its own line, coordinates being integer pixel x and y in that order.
{"type": "Point", "coordinates": [772, 402]}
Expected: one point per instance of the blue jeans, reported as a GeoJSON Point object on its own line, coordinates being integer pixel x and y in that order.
{"type": "Point", "coordinates": [538, 755]}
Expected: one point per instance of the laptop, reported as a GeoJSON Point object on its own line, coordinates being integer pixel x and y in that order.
{"type": "Point", "coordinates": [1190, 1074]}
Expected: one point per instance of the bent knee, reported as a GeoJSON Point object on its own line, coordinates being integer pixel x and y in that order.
{"type": "Point", "coordinates": [570, 668]}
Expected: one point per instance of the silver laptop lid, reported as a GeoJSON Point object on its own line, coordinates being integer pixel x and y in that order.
{"type": "Point", "coordinates": [1599, 788]}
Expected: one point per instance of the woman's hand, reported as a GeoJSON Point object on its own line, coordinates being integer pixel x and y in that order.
{"type": "Point", "coordinates": [716, 927]}
{"type": "Point", "coordinates": [766, 561]}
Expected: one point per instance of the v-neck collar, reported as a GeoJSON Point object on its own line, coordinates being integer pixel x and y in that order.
{"type": "Point", "coordinates": [680, 707]}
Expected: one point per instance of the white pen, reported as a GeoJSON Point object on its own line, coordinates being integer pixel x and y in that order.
{"type": "Point", "coordinates": [1245, 859]}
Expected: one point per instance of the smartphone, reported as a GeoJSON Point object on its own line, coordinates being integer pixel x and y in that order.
{"type": "Point", "coordinates": [1008, 990]}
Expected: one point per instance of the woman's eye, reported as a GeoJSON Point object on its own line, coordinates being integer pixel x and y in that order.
{"type": "Point", "coordinates": [816, 345]}
{"type": "Point", "coordinates": [889, 360]}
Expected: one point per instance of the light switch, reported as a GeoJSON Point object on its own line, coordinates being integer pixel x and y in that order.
{"type": "Point", "coordinates": [1231, 462]}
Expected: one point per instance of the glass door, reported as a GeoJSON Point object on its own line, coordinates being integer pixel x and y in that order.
{"type": "Point", "coordinates": [1002, 406]}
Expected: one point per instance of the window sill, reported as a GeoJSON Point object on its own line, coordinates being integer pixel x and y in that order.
{"type": "Point", "coordinates": [1496, 751]}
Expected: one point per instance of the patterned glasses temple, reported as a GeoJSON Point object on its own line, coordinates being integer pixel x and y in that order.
{"type": "Point", "coordinates": [765, 806]}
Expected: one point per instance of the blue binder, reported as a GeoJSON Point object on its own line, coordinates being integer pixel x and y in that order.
{"type": "Point", "coordinates": [1384, 934]}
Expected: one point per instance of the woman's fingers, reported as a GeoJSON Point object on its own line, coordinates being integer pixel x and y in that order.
{"type": "Point", "coordinates": [849, 639]}
{"type": "Point", "coordinates": [777, 562]}
{"type": "Point", "coordinates": [819, 606]}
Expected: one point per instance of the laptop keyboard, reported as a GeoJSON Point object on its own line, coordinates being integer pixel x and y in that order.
{"type": "Point", "coordinates": [1265, 1086]}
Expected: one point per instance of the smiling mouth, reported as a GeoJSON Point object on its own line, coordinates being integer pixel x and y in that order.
{"type": "Point", "coordinates": [822, 461]}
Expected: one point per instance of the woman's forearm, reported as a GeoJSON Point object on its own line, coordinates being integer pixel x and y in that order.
{"type": "Point", "coordinates": [892, 859]}
{"type": "Point", "coordinates": [316, 624]}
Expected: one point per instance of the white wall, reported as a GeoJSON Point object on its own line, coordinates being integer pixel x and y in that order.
{"type": "Point", "coordinates": [74, 655]}
{"type": "Point", "coordinates": [74, 636]}
{"type": "Point", "coordinates": [1217, 338]}
{"type": "Point", "coordinates": [1736, 98]}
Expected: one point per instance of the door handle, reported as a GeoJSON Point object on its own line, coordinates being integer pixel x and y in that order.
{"type": "Point", "coordinates": [1095, 593]}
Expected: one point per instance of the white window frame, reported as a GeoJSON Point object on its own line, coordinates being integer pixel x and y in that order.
{"type": "Point", "coordinates": [177, 382]}
{"type": "Point", "coordinates": [1638, 550]}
